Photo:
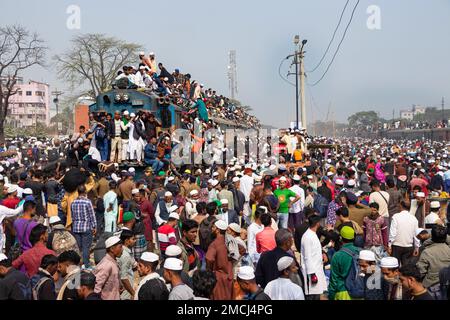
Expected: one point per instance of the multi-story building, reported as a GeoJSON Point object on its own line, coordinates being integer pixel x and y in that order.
{"type": "Point", "coordinates": [409, 114]}
{"type": "Point", "coordinates": [30, 105]}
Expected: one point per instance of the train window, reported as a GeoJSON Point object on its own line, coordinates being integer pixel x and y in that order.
{"type": "Point", "coordinates": [137, 103]}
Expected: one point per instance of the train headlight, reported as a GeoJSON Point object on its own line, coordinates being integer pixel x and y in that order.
{"type": "Point", "coordinates": [117, 98]}
{"type": "Point", "coordinates": [125, 97]}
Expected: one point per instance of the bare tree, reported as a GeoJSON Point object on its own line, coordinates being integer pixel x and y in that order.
{"type": "Point", "coordinates": [19, 50]}
{"type": "Point", "coordinates": [94, 59]}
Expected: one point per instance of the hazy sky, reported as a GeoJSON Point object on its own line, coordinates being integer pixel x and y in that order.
{"type": "Point", "coordinates": [406, 62]}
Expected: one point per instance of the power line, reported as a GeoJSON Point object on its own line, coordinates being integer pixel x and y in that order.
{"type": "Point", "coordinates": [332, 38]}
{"type": "Point", "coordinates": [339, 46]}
{"type": "Point", "coordinates": [279, 72]}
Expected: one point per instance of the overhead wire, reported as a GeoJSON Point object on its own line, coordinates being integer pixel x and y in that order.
{"type": "Point", "coordinates": [332, 38]}
{"type": "Point", "coordinates": [338, 47]}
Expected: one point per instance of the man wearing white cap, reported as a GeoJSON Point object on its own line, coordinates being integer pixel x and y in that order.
{"type": "Point", "coordinates": [433, 217]}
{"type": "Point", "coordinates": [152, 286]}
{"type": "Point", "coordinates": [107, 271]}
{"type": "Point", "coordinates": [172, 274]}
{"type": "Point", "coordinates": [296, 208]}
{"type": "Point", "coordinates": [162, 210]}
{"type": "Point", "coordinates": [218, 262]}
{"type": "Point", "coordinates": [391, 278]}
{"type": "Point", "coordinates": [246, 186]}
{"type": "Point", "coordinates": [212, 191]}
{"type": "Point", "coordinates": [226, 194]}
{"type": "Point", "coordinates": [283, 288]}
{"type": "Point", "coordinates": [226, 214]}
{"type": "Point", "coordinates": [372, 275]}
{"type": "Point", "coordinates": [191, 204]}
{"type": "Point", "coordinates": [111, 205]}
{"type": "Point", "coordinates": [246, 280]}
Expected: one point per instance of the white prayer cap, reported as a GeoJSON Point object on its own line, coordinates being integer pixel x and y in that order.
{"type": "Point", "coordinates": [258, 179]}
{"type": "Point", "coordinates": [310, 177]}
{"type": "Point", "coordinates": [1, 169]}
{"type": "Point", "coordinates": [284, 263]}
{"type": "Point", "coordinates": [283, 179]}
{"type": "Point", "coordinates": [367, 255]}
{"type": "Point", "coordinates": [329, 173]}
{"type": "Point", "coordinates": [193, 192]}
{"type": "Point", "coordinates": [232, 169]}
{"type": "Point", "coordinates": [80, 140]}
{"type": "Point", "coordinates": [222, 225]}
{"type": "Point", "coordinates": [235, 227]}
{"type": "Point", "coordinates": [246, 273]}
{"type": "Point", "coordinates": [149, 257]}
{"type": "Point", "coordinates": [115, 177]}
{"type": "Point", "coordinates": [351, 183]}
{"type": "Point", "coordinates": [207, 171]}
{"type": "Point", "coordinates": [339, 182]}
{"type": "Point", "coordinates": [126, 113]}
{"type": "Point", "coordinates": [3, 257]}
{"type": "Point", "coordinates": [296, 177]}
{"type": "Point", "coordinates": [215, 174]}
{"type": "Point", "coordinates": [224, 201]}
{"type": "Point", "coordinates": [1, 177]}
{"type": "Point", "coordinates": [173, 264]}
{"type": "Point", "coordinates": [236, 179]}
{"type": "Point", "coordinates": [420, 195]}
{"type": "Point", "coordinates": [131, 170]}
{"type": "Point", "coordinates": [173, 251]}
{"type": "Point", "coordinates": [132, 115]}
{"type": "Point", "coordinates": [199, 171]}
{"type": "Point", "coordinates": [12, 189]}
{"type": "Point", "coordinates": [419, 231]}
{"type": "Point", "coordinates": [151, 54]}
{"type": "Point", "coordinates": [174, 215]}
{"type": "Point", "coordinates": [214, 183]}
{"type": "Point", "coordinates": [111, 241]}
{"type": "Point", "coordinates": [329, 160]}
{"type": "Point", "coordinates": [435, 204]}
{"type": "Point", "coordinates": [142, 53]}
{"type": "Point", "coordinates": [389, 262]}
{"type": "Point", "coordinates": [237, 167]}
{"type": "Point", "coordinates": [272, 167]}
{"type": "Point", "coordinates": [54, 219]}
{"type": "Point", "coordinates": [168, 194]}
{"type": "Point", "coordinates": [170, 178]}
{"type": "Point", "coordinates": [135, 191]}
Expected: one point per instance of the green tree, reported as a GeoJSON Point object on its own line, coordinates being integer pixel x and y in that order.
{"type": "Point", "coordinates": [364, 118]}
{"type": "Point", "coordinates": [19, 50]}
{"type": "Point", "coordinates": [94, 60]}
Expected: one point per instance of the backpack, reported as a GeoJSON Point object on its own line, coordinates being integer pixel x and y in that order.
{"type": "Point", "coordinates": [321, 205]}
{"type": "Point", "coordinates": [37, 286]}
{"type": "Point", "coordinates": [354, 283]}
{"type": "Point", "coordinates": [63, 240]}
{"type": "Point", "coordinates": [16, 250]}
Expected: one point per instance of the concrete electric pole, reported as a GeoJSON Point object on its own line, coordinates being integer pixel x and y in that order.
{"type": "Point", "coordinates": [299, 78]}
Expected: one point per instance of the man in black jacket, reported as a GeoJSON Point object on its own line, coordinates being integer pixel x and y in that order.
{"type": "Point", "coordinates": [87, 285]}
{"type": "Point", "coordinates": [14, 285]}
{"type": "Point", "coordinates": [43, 283]}
{"type": "Point", "coordinates": [267, 269]}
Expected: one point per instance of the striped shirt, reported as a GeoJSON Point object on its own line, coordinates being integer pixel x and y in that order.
{"type": "Point", "coordinates": [83, 215]}
{"type": "Point", "coordinates": [166, 237]}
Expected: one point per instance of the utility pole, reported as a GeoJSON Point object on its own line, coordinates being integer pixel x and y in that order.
{"type": "Point", "coordinates": [302, 85]}
{"type": "Point", "coordinates": [299, 79]}
{"type": "Point", "coordinates": [56, 94]}
{"type": "Point", "coordinates": [443, 119]}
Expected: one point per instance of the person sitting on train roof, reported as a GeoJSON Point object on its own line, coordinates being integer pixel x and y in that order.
{"type": "Point", "coordinates": [165, 74]}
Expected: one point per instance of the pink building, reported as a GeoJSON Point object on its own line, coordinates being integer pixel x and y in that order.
{"type": "Point", "coordinates": [31, 104]}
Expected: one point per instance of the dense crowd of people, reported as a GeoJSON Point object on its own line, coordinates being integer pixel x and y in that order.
{"type": "Point", "coordinates": [334, 219]}
{"type": "Point", "coordinates": [181, 89]}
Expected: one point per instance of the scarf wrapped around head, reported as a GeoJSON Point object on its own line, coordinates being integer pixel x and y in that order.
{"type": "Point", "coordinates": [379, 174]}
